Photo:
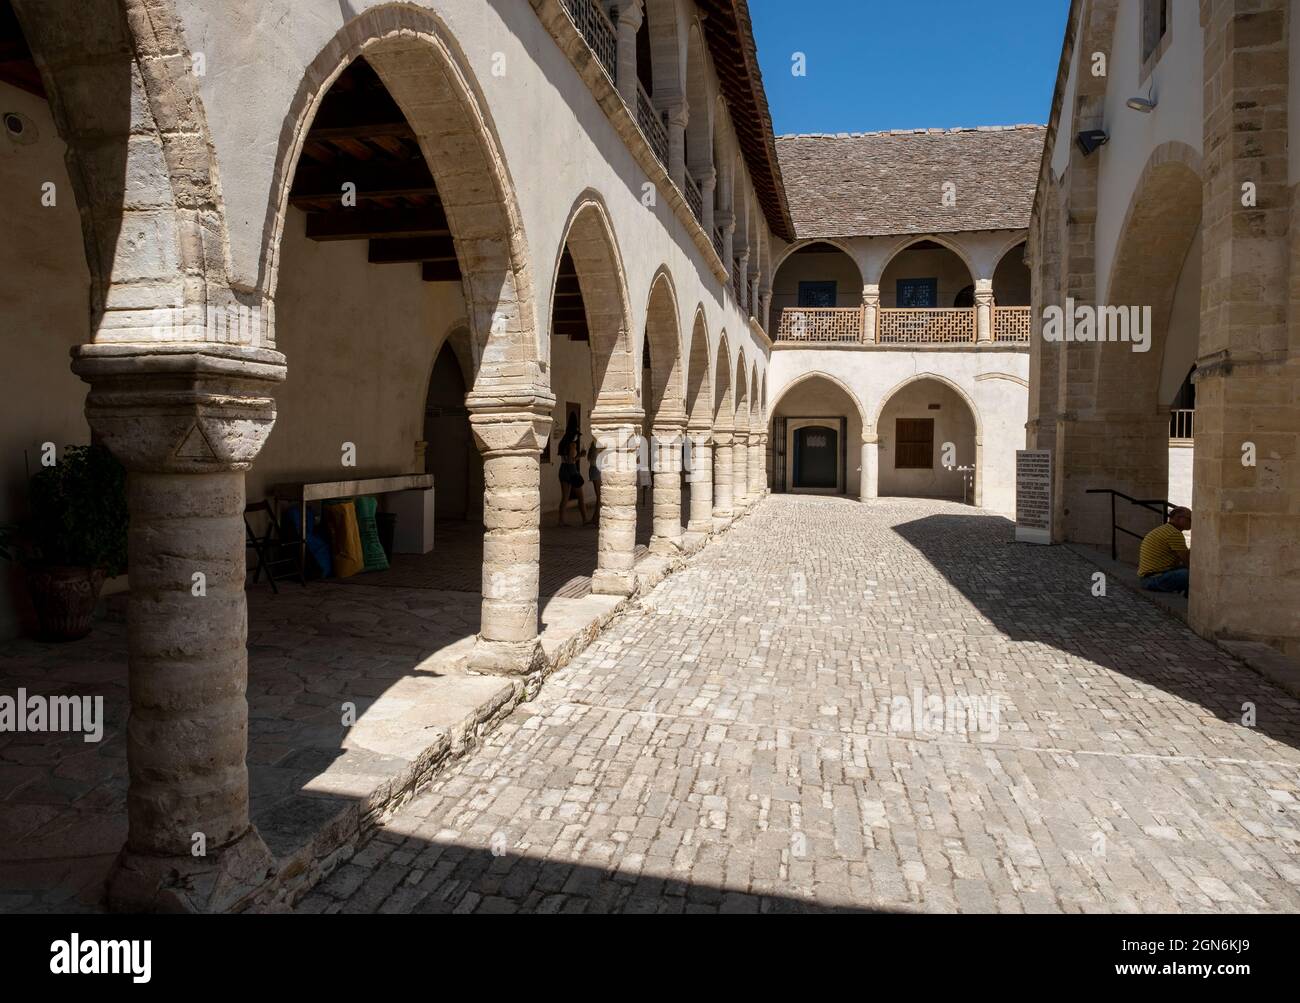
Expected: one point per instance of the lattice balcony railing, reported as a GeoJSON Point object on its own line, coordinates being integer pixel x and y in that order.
{"type": "Point", "coordinates": [596, 27]}
{"type": "Point", "coordinates": [1011, 324]}
{"type": "Point", "coordinates": [717, 241]}
{"type": "Point", "coordinates": [926, 327]}
{"type": "Point", "coordinates": [1182, 423]}
{"type": "Point", "coordinates": [820, 325]}
{"type": "Point", "coordinates": [694, 197]}
{"type": "Point", "coordinates": [737, 282]}
{"type": "Point", "coordinates": [652, 124]}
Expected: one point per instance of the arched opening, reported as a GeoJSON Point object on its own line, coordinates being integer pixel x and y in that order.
{"type": "Point", "coordinates": [724, 425]}
{"type": "Point", "coordinates": [699, 123]}
{"type": "Point", "coordinates": [1152, 331]}
{"type": "Point", "coordinates": [817, 295]}
{"type": "Point", "coordinates": [697, 458]}
{"type": "Point", "coordinates": [661, 499]}
{"type": "Point", "coordinates": [1011, 281]}
{"type": "Point", "coordinates": [928, 442]}
{"type": "Point", "coordinates": [449, 451]}
{"type": "Point", "coordinates": [45, 284]}
{"type": "Point", "coordinates": [815, 429]}
{"type": "Point", "coordinates": [597, 405]}
{"type": "Point", "coordinates": [927, 295]}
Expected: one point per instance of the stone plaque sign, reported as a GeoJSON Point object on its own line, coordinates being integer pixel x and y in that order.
{"type": "Point", "coordinates": [1033, 496]}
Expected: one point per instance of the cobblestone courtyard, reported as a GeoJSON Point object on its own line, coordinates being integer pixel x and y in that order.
{"type": "Point", "coordinates": [751, 737]}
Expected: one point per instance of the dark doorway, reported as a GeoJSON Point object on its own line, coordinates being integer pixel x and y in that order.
{"type": "Point", "coordinates": [449, 447]}
{"type": "Point", "coordinates": [816, 457]}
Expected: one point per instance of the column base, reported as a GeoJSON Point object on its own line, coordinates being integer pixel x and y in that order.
{"type": "Point", "coordinates": [665, 546]}
{"type": "Point", "coordinates": [226, 880]}
{"type": "Point", "coordinates": [613, 583]}
{"type": "Point", "coordinates": [721, 520]}
{"type": "Point", "coordinates": [506, 658]}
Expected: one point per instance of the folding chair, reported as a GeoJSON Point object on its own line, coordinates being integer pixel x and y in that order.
{"type": "Point", "coordinates": [271, 549]}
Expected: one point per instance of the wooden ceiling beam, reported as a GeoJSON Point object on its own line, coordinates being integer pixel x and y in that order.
{"type": "Point", "coordinates": [369, 224]}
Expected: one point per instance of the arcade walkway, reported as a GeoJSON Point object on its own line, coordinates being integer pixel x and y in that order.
{"type": "Point", "coordinates": [886, 707]}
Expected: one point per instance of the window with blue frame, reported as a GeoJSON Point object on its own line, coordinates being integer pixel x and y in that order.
{"type": "Point", "coordinates": [916, 294]}
{"type": "Point", "coordinates": [816, 295]}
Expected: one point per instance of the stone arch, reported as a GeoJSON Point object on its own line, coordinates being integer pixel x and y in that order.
{"type": "Point", "coordinates": [815, 374]}
{"type": "Point", "coordinates": [667, 397]}
{"type": "Point", "coordinates": [1005, 280]}
{"type": "Point", "coordinates": [429, 77]}
{"type": "Point", "coordinates": [903, 243]}
{"type": "Point", "coordinates": [665, 49]}
{"type": "Point", "coordinates": [780, 259]}
{"type": "Point", "coordinates": [724, 407]}
{"type": "Point", "coordinates": [589, 237]}
{"type": "Point", "coordinates": [755, 411]}
{"type": "Point", "coordinates": [699, 387]}
{"type": "Point", "coordinates": [126, 104]}
{"type": "Point", "coordinates": [873, 432]}
{"type": "Point", "coordinates": [1159, 227]}
{"type": "Point", "coordinates": [954, 387]}
{"type": "Point", "coordinates": [699, 124]}
{"type": "Point", "coordinates": [742, 391]}
{"type": "Point", "coordinates": [1159, 230]}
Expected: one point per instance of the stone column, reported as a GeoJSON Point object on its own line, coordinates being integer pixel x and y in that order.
{"type": "Point", "coordinates": [724, 510]}
{"type": "Point", "coordinates": [678, 113]}
{"type": "Point", "coordinates": [757, 465]}
{"type": "Point", "coordinates": [708, 183]}
{"type": "Point", "coordinates": [740, 469]}
{"type": "Point", "coordinates": [630, 16]}
{"type": "Point", "coordinates": [511, 437]}
{"type": "Point", "coordinates": [764, 306]}
{"type": "Point", "coordinates": [870, 312]}
{"type": "Point", "coordinates": [742, 266]}
{"type": "Point", "coordinates": [666, 464]}
{"type": "Point", "coordinates": [727, 226]}
{"type": "Point", "coordinates": [868, 487]}
{"type": "Point", "coordinates": [700, 478]}
{"type": "Point", "coordinates": [984, 310]}
{"type": "Point", "coordinates": [186, 422]}
{"type": "Point", "coordinates": [618, 432]}
{"type": "Point", "coordinates": [1245, 566]}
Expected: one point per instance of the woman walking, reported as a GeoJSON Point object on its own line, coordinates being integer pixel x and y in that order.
{"type": "Point", "coordinates": [571, 482]}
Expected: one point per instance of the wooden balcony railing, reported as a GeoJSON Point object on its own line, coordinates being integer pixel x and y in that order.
{"type": "Point", "coordinates": [694, 197]}
{"type": "Point", "coordinates": [1011, 324]}
{"type": "Point", "coordinates": [820, 325]}
{"type": "Point", "coordinates": [717, 241]}
{"type": "Point", "coordinates": [652, 124]}
{"type": "Point", "coordinates": [596, 27]}
{"type": "Point", "coordinates": [926, 327]}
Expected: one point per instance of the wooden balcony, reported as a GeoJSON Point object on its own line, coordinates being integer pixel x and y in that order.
{"type": "Point", "coordinates": [1012, 324]}
{"type": "Point", "coordinates": [598, 30]}
{"type": "Point", "coordinates": [926, 326]}
{"type": "Point", "coordinates": [821, 325]}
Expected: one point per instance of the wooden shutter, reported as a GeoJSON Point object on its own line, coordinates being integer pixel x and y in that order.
{"type": "Point", "coordinates": [914, 444]}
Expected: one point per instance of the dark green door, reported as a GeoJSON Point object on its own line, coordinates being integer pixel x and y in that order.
{"type": "Point", "coordinates": [816, 456]}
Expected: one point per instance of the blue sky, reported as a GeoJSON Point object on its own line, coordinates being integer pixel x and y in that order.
{"type": "Point", "coordinates": [908, 64]}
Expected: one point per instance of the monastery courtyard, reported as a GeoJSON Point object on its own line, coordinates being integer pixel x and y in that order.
{"type": "Point", "coordinates": [750, 736]}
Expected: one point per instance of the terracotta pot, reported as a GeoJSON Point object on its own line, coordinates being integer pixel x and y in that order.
{"type": "Point", "coordinates": [65, 600]}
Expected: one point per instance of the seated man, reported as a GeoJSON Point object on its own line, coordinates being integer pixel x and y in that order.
{"type": "Point", "coordinates": [1163, 559]}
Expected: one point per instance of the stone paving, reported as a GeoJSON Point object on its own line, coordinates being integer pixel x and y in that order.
{"type": "Point", "coordinates": [889, 706]}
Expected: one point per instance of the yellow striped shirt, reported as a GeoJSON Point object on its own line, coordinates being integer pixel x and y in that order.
{"type": "Point", "coordinates": [1160, 550]}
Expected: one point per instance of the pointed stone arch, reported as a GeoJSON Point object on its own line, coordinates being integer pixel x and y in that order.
{"type": "Point", "coordinates": [667, 391]}
{"type": "Point", "coordinates": [818, 374]}
{"type": "Point", "coordinates": [724, 406]}
{"type": "Point", "coordinates": [903, 243]}
{"type": "Point", "coordinates": [699, 386]}
{"type": "Point", "coordinates": [589, 238]}
{"type": "Point", "coordinates": [871, 433]}
{"type": "Point", "coordinates": [428, 75]}
{"type": "Point", "coordinates": [126, 104]}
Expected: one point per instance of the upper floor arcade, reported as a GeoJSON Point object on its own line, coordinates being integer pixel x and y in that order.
{"type": "Point", "coordinates": [687, 72]}
{"type": "Point", "coordinates": [907, 238]}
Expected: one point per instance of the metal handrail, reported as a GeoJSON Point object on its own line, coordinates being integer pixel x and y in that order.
{"type": "Point", "coordinates": [1146, 503]}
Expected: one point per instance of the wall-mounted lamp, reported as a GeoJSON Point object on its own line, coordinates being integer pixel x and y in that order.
{"type": "Point", "coordinates": [1145, 105]}
{"type": "Point", "coordinates": [1090, 139]}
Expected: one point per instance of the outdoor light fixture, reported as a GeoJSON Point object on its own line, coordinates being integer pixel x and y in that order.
{"type": "Point", "coordinates": [1090, 139]}
{"type": "Point", "coordinates": [1144, 105]}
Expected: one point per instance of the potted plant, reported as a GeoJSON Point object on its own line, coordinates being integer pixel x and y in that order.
{"type": "Point", "coordinates": [75, 538]}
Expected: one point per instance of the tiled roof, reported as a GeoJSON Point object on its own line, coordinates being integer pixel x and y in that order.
{"type": "Point", "coordinates": [883, 183]}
